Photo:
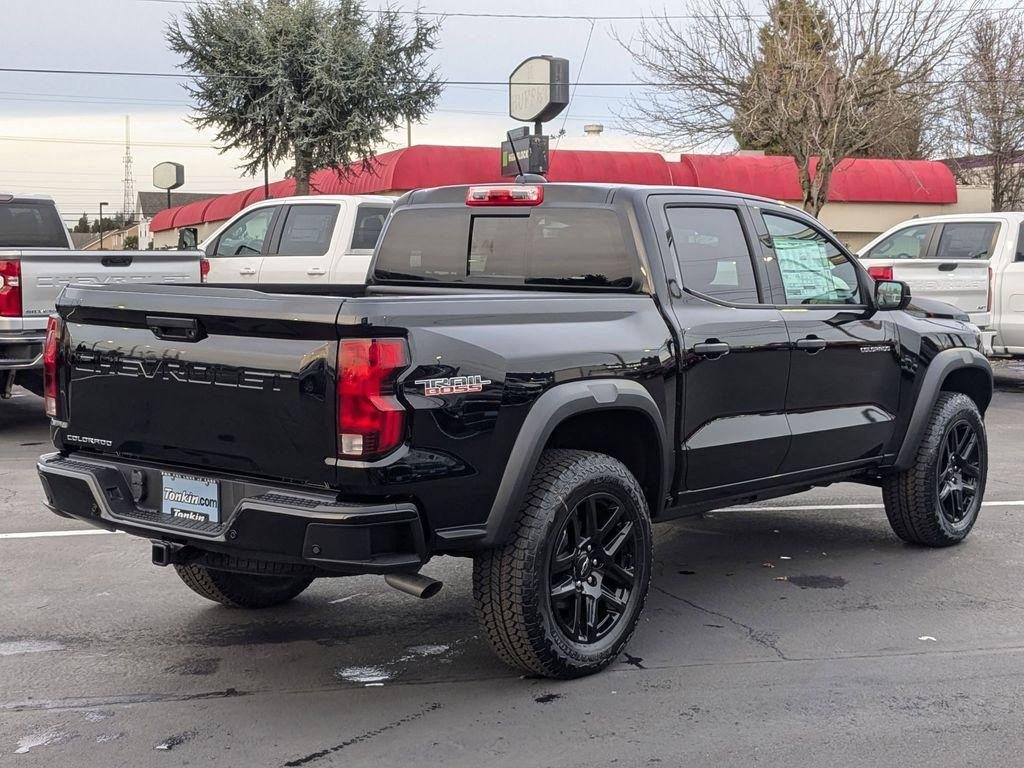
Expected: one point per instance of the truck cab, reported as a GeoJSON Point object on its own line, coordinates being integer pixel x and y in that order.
{"type": "Point", "coordinates": [323, 239]}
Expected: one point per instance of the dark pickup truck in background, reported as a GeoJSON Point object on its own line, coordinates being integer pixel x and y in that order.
{"type": "Point", "coordinates": [534, 374]}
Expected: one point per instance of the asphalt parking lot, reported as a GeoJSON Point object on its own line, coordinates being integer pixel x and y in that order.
{"type": "Point", "coordinates": [800, 634]}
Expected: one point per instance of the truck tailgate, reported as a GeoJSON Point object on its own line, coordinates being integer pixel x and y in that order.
{"type": "Point", "coordinates": [962, 283]}
{"type": "Point", "coordinates": [45, 272]}
{"type": "Point", "coordinates": [214, 378]}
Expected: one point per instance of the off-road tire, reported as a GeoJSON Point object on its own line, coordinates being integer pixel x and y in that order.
{"type": "Point", "coordinates": [511, 582]}
{"type": "Point", "coordinates": [912, 496]}
{"type": "Point", "coordinates": [241, 590]}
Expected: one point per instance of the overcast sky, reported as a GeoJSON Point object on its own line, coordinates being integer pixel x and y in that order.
{"type": "Point", "coordinates": [41, 115]}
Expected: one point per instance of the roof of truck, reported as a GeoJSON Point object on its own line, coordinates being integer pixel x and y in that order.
{"type": "Point", "coordinates": [226, 206]}
{"type": "Point", "coordinates": [455, 193]}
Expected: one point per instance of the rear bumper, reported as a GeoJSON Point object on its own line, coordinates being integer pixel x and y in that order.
{"type": "Point", "coordinates": [19, 351]}
{"type": "Point", "coordinates": [260, 522]}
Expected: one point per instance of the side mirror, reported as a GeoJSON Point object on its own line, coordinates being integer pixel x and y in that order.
{"type": "Point", "coordinates": [891, 294]}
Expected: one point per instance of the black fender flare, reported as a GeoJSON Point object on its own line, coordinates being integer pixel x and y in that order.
{"type": "Point", "coordinates": [548, 411]}
{"type": "Point", "coordinates": [944, 363]}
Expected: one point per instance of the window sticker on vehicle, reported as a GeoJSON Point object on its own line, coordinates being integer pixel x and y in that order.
{"type": "Point", "coordinates": [806, 270]}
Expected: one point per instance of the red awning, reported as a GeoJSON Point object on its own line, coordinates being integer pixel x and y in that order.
{"type": "Point", "coordinates": [878, 181]}
{"type": "Point", "coordinates": [892, 181]}
{"type": "Point", "coordinates": [773, 177]}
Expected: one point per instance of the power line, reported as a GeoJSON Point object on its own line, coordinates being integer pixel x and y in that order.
{"type": "Point", "coordinates": [107, 142]}
{"type": "Point", "coordinates": [583, 17]}
{"type": "Point", "coordinates": [443, 83]}
{"type": "Point", "coordinates": [447, 110]}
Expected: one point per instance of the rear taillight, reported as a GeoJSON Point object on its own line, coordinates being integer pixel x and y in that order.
{"type": "Point", "coordinates": [371, 420]}
{"type": "Point", "coordinates": [516, 194]}
{"type": "Point", "coordinates": [10, 288]}
{"type": "Point", "coordinates": [204, 269]}
{"type": "Point", "coordinates": [53, 329]}
{"type": "Point", "coordinates": [880, 273]}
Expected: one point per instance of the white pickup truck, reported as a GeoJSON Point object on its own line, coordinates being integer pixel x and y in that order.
{"type": "Point", "coordinates": [326, 239]}
{"type": "Point", "coordinates": [972, 261]}
{"type": "Point", "coordinates": [37, 259]}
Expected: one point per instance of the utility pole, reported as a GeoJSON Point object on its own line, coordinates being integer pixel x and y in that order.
{"type": "Point", "coordinates": [408, 131]}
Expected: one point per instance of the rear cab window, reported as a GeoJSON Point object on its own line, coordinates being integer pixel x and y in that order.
{"type": "Point", "coordinates": [545, 245]}
{"type": "Point", "coordinates": [31, 224]}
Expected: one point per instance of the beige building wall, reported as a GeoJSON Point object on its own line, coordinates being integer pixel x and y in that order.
{"type": "Point", "coordinates": [168, 238]}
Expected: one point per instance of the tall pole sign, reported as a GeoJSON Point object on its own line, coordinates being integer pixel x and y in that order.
{"type": "Point", "coordinates": [538, 90]}
{"type": "Point", "coordinates": [168, 176]}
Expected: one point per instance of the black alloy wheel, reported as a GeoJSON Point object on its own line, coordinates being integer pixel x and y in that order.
{"type": "Point", "coordinates": [592, 568]}
{"type": "Point", "coordinates": [959, 471]}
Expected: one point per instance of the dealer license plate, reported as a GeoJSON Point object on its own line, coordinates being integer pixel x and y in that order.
{"type": "Point", "coordinates": [190, 498]}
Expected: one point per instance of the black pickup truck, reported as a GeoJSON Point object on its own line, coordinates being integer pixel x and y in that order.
{"type": "Point", "coordinates": [532, 375]}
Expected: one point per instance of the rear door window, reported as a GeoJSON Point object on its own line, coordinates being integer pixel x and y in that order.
{"type": "Point", "coordinates": [545, 246]}
{"type": "Point", "coordinates": [27, 224]}
{"type": "Point", "coordinates": [907, 243]}
{"type": "Point", "coordinates": [307, 230]}
{"type": "Point", "coordinates": [368, 226]}
{"type": "Point", "coordinates": [713, 254]}
{"type": "Point", "coordinates": [966, 240]}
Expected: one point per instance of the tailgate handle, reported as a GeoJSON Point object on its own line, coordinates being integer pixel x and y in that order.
{"type": "Point", "coordinates": [949, 266]}
{"type": "Point", "coordinates": [116, 261]}
{"type": "Point", "coordinates": [174, 328]}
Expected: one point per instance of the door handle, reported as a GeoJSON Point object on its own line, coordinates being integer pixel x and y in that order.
{"type": "Point", "coordinates": [175, 328]}
{"type": "Point", "coordinates": [711, 349]}
{"type": "Point", "coordinates": [247, 271]}
{"type": "Point", "coordinates": [316, 271]}
{"type": "Point", "coordinates": [811, 344]}
{"type": "Point", "coordinates": [948, 266]}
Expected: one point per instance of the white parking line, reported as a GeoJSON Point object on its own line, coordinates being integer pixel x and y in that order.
{"type": "Point", "coordinates": [810, 507]}
{"type": "Point", "coordinates": [53, 534]}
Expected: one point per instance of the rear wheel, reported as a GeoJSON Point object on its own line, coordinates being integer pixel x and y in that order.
{"type": "Point", "coordinates": [935, 502]}
{"type": "Point", "coordinates": [242, 590]}
{"type": "Point", "coordinates": [564, 594]}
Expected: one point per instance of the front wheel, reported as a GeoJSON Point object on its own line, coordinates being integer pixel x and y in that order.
{"type": "Point", "coordinates": [562, 597]}
{"type": "Point", "coordinates": [935, 502]}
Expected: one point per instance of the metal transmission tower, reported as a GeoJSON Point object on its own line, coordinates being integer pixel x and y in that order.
{"type": "Point", "coordinates": [128, 206]}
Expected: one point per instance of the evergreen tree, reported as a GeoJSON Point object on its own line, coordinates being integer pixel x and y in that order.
{"type": "Point", "coordinates": [316, 82]}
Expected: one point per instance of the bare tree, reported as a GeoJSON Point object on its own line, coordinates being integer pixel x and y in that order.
{"type": "Point", "coordinates": [987, 129]}
{"type": "Point", "coordinates": [821, 80]}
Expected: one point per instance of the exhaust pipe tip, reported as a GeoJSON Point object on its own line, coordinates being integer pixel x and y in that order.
{"type": "Point", "coordinates": [415, 584]}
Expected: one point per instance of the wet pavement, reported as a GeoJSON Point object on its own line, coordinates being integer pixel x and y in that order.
{"type": "Point", "coordinates": [799, 634]}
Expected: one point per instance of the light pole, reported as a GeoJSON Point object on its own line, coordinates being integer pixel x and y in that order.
{"type": "Point", "coordinates": [101, 224]}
